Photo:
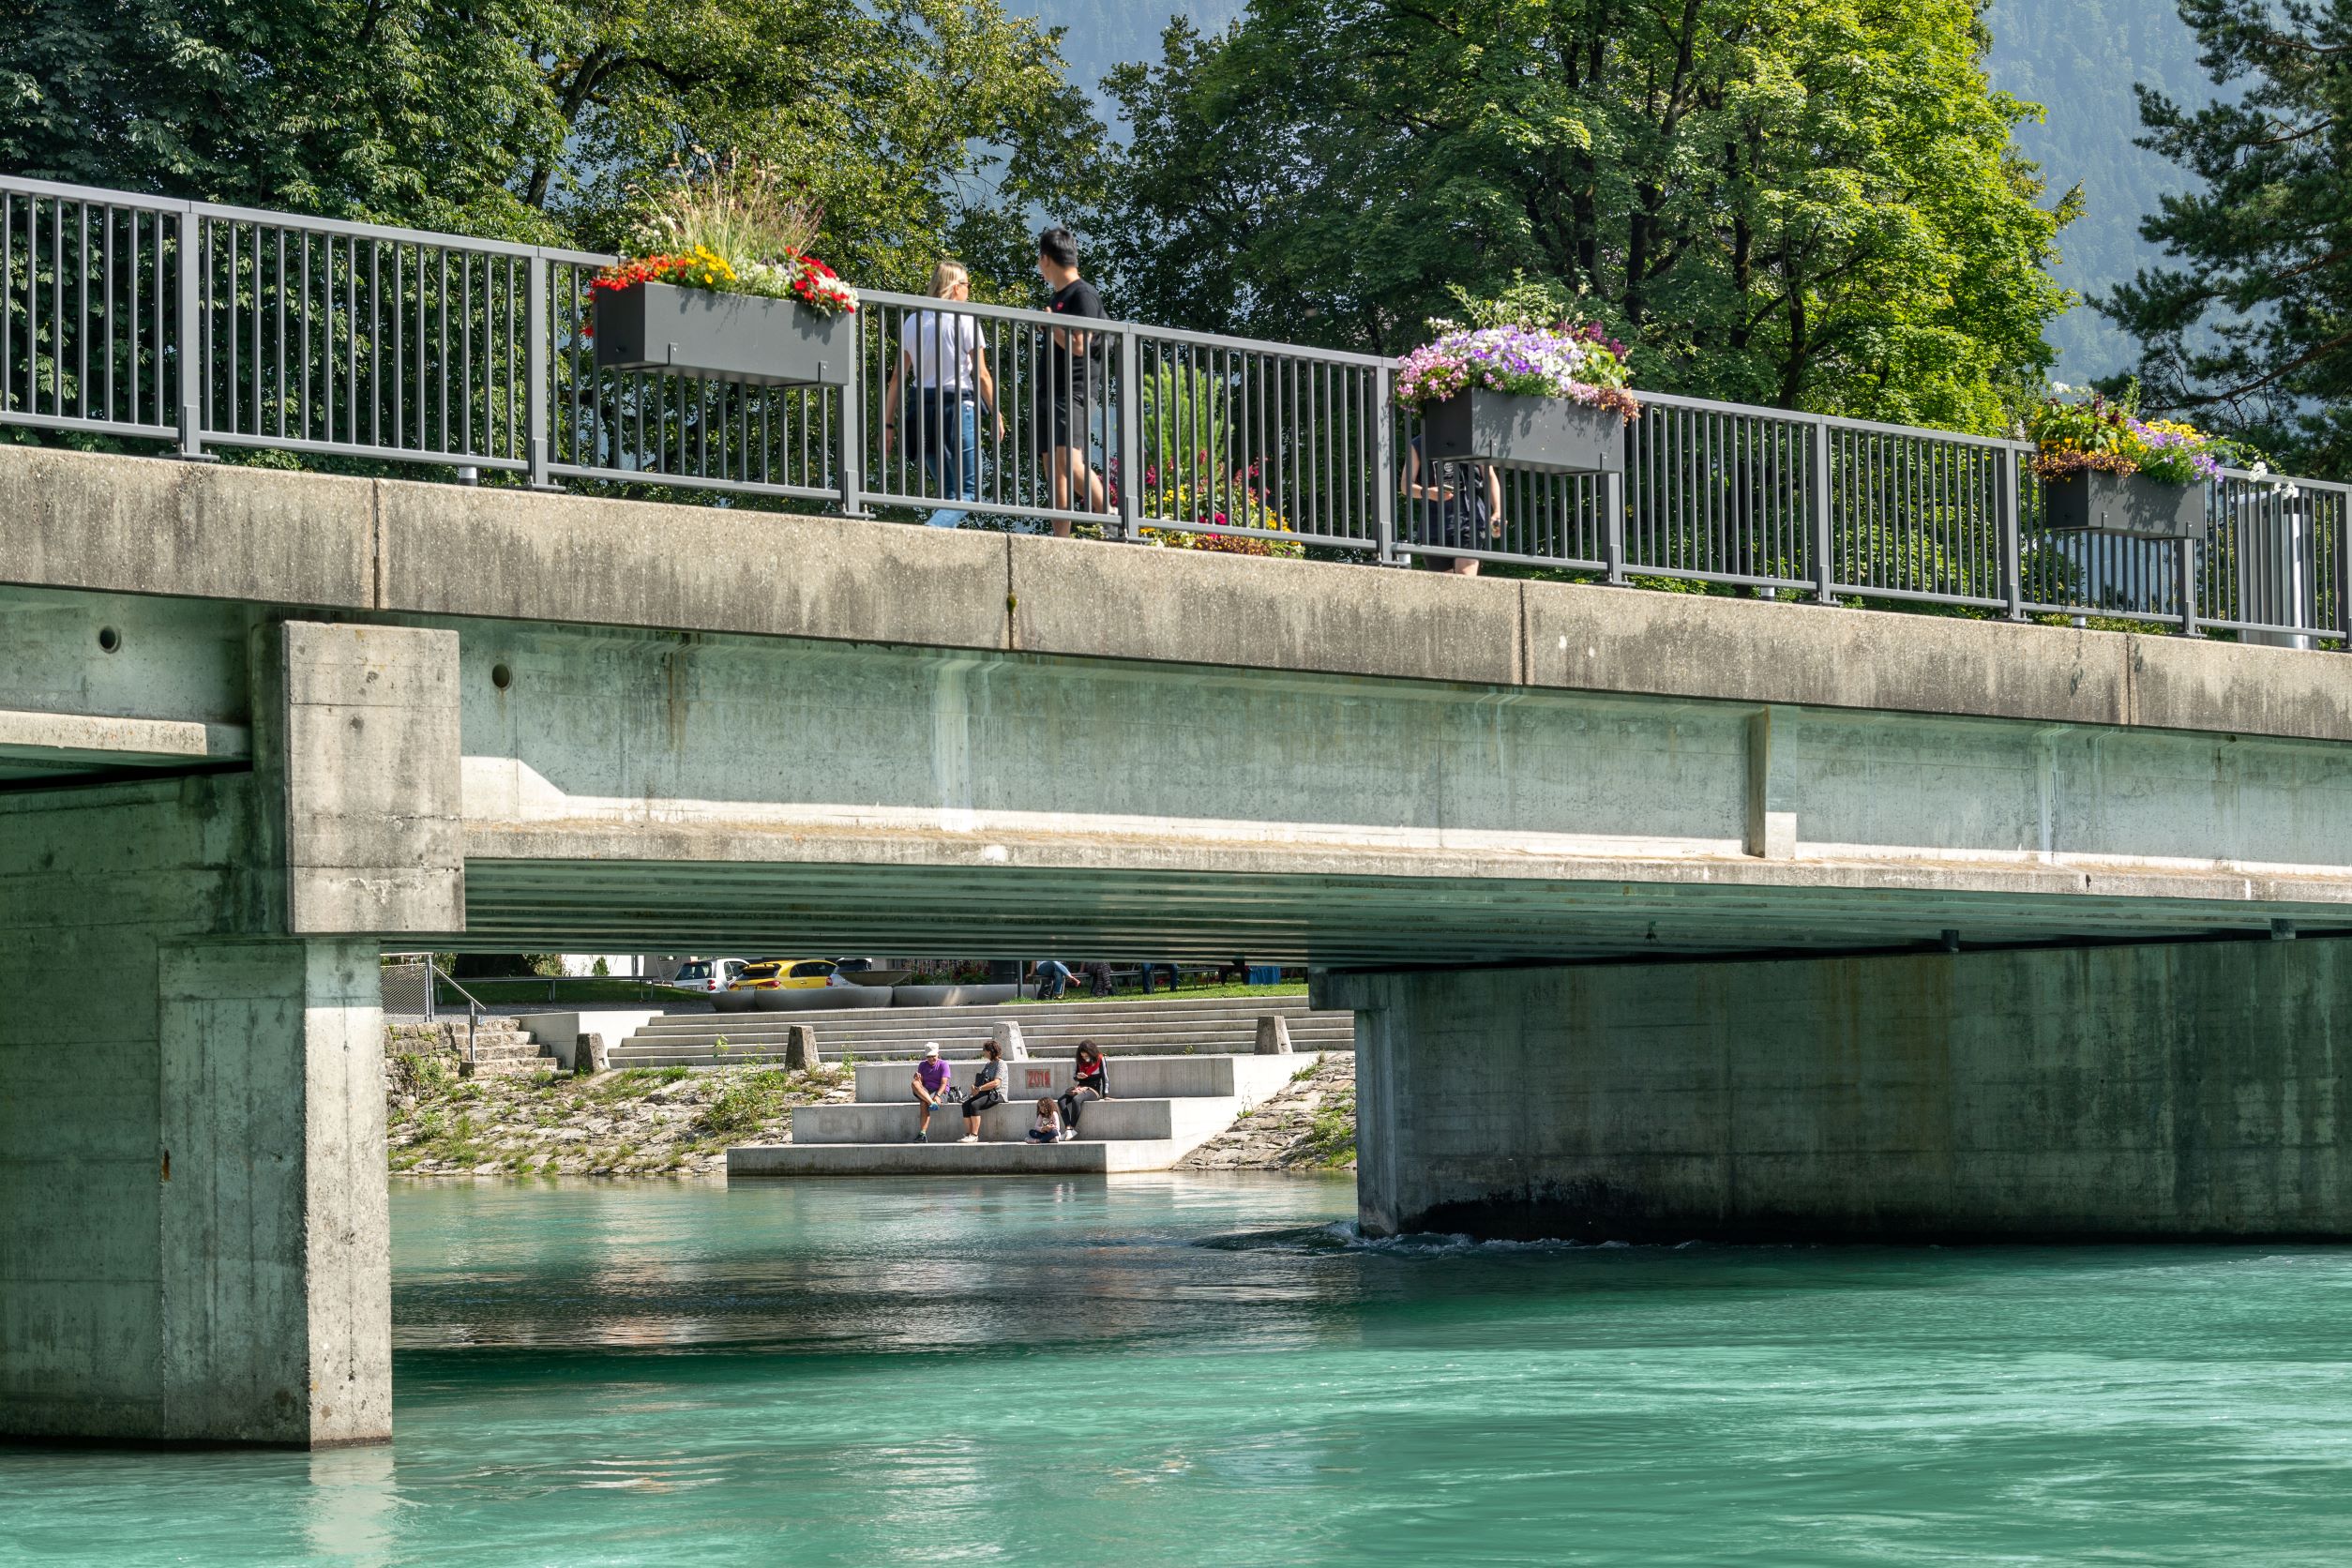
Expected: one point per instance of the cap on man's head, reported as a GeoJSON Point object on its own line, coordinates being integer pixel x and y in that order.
{"type": "Point", "coordinates": [930, 1048]}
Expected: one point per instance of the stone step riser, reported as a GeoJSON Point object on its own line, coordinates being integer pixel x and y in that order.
{"type": "Point", "coordinates": [926, 1017]}
{"type": "Point", "coordinates": [1224, 1077]}
{"type": "Point", "coordinates": [957, 1038]}
{"type": "Point", "coordinates": [1192, 1121]}
{"type": "Point", "coordinates": [770, 1054]}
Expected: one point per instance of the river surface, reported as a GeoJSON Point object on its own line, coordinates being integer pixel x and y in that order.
{"type": "Point", "coordinates": [1202, 1370]}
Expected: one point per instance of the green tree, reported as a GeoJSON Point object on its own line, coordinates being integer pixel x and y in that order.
{"type": "Point", "coordinates": [922, 126]}
{"type": "Point", "coordinates": [1804, 202]}
{"type": "Point", "coordinates": [2252, 330]}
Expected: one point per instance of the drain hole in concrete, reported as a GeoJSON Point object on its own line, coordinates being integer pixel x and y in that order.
{"type": "Point", "coordinates": [109, 639]}
{"type": "Point", "coordinates": [501, 676]}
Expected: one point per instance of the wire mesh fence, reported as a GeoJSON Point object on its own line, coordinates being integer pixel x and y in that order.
{"type": "Point", "coordinates": [202, 325]}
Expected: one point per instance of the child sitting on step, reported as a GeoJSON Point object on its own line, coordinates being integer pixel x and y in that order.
{"type": "Point", "coordinates": [1047, 1127]}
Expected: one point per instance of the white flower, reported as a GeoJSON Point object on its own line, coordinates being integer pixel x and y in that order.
{"type": "Point", "coordinates": [2061, 389]}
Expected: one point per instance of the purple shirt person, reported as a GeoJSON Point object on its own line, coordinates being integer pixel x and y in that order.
{"type": "Point", "coordinates": [929, 1083]}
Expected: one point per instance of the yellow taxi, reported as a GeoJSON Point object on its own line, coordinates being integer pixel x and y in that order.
{"type": "Point", "coordinates": [785, 974]}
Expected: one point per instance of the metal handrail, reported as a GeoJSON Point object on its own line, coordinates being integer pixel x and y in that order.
{"type": "Point", "coordinates": [211, 325]}
{"type": "Point", "coordinates": [434, 974]}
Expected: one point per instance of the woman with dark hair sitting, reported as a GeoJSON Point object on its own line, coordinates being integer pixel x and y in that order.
{"type": "Point", "coordinates": [988, 1089]}
{"type": "Point", "coordinates": [1089, 1080]}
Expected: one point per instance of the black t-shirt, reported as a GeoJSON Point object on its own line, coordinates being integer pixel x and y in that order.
{"type": "Point", "coordinates": [1061, 373]}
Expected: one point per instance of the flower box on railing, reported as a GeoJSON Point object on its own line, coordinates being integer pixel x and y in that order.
{"type": "Point", "coordinates": [1516, 429]}
{"type": "Point", "coordinates": [2131, 504]}
{"type": "Point", "coordinates": [728, 337]}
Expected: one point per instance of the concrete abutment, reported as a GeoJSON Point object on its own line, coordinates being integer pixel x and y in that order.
{"type": "Point", "coordinates": [2192, 1090]}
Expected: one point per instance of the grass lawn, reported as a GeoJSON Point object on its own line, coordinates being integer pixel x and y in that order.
{"type": "Point", "coordinates": [585, 988]}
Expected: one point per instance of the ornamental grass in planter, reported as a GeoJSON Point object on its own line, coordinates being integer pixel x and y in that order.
{"type": "Point", "coordinates": [723, 285]}
{"type": "Point", "coordinates": [2105, 470]}
{"type": "Point", "coordinates": [1548, 398]}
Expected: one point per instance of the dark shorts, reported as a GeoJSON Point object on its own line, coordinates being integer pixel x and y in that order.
{"type": "Point", "coordinates": [1451, 525]}
{"type": "Point", "coordinates": [982, 1101]}
{"type": "Point", "coordinates": [1063, 421]}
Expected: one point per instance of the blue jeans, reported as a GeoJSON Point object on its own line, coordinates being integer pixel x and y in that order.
{"type": "Point", "coordinates": [950, 434]}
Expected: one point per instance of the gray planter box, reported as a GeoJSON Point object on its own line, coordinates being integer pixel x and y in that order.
{"type": "Point", "coordinates": [728, 336]}
{"type": "Point", "coordinates": [2132, 504]}
{"type": "Point", "coordinates": [1512, 429]}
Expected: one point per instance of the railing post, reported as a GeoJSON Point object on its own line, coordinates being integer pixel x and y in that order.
{"type": "Point", "coordinates": [1384, 462]}
{"type": "Point", "coordinates": [192, 335]}
{"type": "Point", "coordinates": [538, 385]}
{"type": "Point", "coordinates": [2189, 588]}
{"type": "Point", "coordinates": [2009, 520]}
{"type": "Point", "coordinates": [1130, 434]}
{"type": "Point", "coordinates": [852, 427]}
{"type": "Point", "coordinates": [1612, 526]}
{"type": "Point", "coordinates": [1817, 514]}
{"type": "Point", "coordinates": [2343, 565]}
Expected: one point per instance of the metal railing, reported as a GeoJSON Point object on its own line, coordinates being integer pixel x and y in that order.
{"type": "Point", "coordinates": [209, 327]}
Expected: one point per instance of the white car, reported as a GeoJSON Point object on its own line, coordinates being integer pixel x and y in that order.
{"type": "Point", "coordinates": [706, 976]}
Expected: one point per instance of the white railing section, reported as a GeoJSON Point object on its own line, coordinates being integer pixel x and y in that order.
{"type": "Point", "coordinates": [209, 327]}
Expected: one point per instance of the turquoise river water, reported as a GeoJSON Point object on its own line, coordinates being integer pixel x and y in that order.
{"type": "Point", "coordinates": [1204, 1370]}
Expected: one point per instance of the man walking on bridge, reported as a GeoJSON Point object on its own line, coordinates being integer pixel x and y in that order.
{"type": "Point", "coordinates": [1063, 410]}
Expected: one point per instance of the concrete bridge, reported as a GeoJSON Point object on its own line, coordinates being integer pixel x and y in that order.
{"type": "Point", "coordinates": [1662, 914]}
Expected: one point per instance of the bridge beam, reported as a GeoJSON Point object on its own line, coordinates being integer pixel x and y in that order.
{"type": "Point", "coordinates": [2189, 1090]}
{"type": "Point", "coordinates": [193, 1231]}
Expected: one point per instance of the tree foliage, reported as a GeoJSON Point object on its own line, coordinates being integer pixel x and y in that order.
{"type": "Point", "coordinates": [1802, 202]}
{"type": "Point", "coordinates": [923, 126]}
{"type": "Point", "coordinates": [2253, 329]}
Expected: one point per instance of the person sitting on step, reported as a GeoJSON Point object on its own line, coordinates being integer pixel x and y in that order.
{"type": "Point", "coordinates": [1089, 1080]}
{"type": "Point", "coordinates": [988, 1089]}
{"type": "Point", "coordinates": [1047, 1127]}
{"type": "Point", "coordinates": [931, 1086]}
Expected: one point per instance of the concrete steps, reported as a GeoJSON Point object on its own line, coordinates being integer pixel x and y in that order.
{"type": "Point", "coordinates": [1165, 1106]}
{"type": "Point", "coordinates": [1121, 1028]}
{"type": "Point", "coordinates": [503, 1050]}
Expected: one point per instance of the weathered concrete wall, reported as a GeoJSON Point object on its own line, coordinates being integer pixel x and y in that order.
{"type": "Point", "coordinates": [373, 836]}
{"type": "Point", "coordinates": [193, 1242]}
{"type": "Point", "coordinates": [1471, 822]}
{"type": "Point", "coordinates": [143, 526]}
{"type": "Point", "coordinates": [2158, 1091]}
{"type": "Point", "coordinates": [192, 1237]}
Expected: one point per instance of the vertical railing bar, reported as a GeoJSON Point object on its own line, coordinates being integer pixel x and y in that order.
{"type": "Point", "coordinates": [1818, 494]}
{"type": "Point", "coordinates": [82, 312]}
{"type": "Point", "coordinates": [277, 385]}
{"type": "Point", "coordinates": [465, 354]}
{"type": "Point", "coordinates": [8, 289]}
{"type": "Point", "coordinates": [304, 317]}
{"type": "Point", "coordinates": [106, 304]}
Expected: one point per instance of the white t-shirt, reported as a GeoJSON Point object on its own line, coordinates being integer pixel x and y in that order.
{"type": "Point", "coordinates": [945, 350]}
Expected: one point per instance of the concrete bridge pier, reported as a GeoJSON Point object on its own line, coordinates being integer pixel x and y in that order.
{"type": "Point", "coordinates": [2185, 1090]}
{"type": "Point", "coordinates": [193, 1236]}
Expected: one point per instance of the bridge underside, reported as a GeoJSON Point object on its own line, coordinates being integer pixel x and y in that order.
{"type": "Point", "coordinates": [1340, 921]}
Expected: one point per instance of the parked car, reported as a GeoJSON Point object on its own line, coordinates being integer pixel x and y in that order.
{"type": "Point", "coordinates": [788, 974]}
{"type": "Point", "coordinates": [704, 975]}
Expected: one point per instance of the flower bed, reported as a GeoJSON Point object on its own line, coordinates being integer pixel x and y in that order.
{"type": "Point", "coordinates": [1237, 506]}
